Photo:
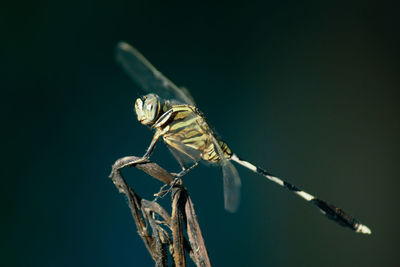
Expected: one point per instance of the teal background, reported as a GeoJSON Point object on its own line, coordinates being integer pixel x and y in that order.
{"type": "Point", "coordinates": [306, 89]}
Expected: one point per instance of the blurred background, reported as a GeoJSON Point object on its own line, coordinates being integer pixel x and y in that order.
{"type": "Point", "coordinates": [306, 89]}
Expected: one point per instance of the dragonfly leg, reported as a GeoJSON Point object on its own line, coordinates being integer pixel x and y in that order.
{"type": "Point", "coordinates": [186, 171]}
{"type": "Point", "coordinates": [161, 193]}
{"type": "Point", "coordinates": [146, 156]}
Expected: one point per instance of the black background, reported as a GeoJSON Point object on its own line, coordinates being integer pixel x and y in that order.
{"type": "Point", "coordinates": [306, 89]}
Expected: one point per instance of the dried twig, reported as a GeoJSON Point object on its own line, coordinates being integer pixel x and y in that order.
{"type": "Point", "coordinates": [158, 241]}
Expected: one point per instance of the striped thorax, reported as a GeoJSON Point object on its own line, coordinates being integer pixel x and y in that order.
{"type": "Point", "coordinates": [182, 127]}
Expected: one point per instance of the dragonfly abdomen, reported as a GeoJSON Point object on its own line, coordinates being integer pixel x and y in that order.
{"type": "Point", "coordinates": [212, 155]}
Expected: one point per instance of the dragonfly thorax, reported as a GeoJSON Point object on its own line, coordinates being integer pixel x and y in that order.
{"type": "Point", "coordinates": [148, 108]}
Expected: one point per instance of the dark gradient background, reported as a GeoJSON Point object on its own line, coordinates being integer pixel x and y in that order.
{"type": "Point", "coordinates": [308, 90]}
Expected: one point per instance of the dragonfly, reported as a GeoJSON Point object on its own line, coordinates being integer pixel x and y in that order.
{"type": "Point", "coordinates": [171, 112]}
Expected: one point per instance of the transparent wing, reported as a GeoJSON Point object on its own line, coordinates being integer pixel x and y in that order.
{"type": "Point", "coordinates": [232, 183]}
{"type": "Point", "coordinates": [184, 157]}
{"type": "Point", "coordinates": [148, 77]}
{"type": "Point", "coordinates": [232, 186]}
{"type": "Point", "coordinates": [231, 180]}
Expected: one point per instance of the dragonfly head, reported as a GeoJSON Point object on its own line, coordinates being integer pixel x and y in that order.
{"type": "Point", "coordinates": [147, 108]}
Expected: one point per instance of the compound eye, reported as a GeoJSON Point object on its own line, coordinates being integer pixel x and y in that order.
{"type": "Point", "coordinates": [147, 108]}
{"type": "Point", "coordinates": [139, 104]}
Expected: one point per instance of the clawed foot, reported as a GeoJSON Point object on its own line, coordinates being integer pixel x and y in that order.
{"type": "Point", "coordinates": [163, 192]}
{"type": "Point", "coordinates": [185, 171]}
